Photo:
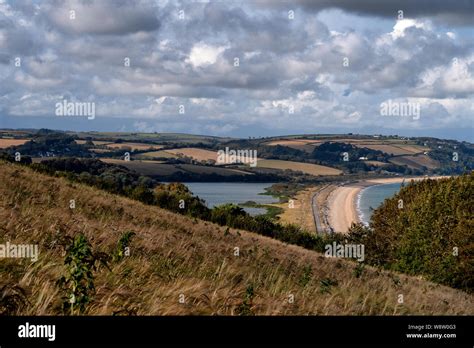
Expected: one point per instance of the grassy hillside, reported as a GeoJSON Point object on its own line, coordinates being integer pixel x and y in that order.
{"type": "Point", "coordinates": [308, 168]}
{"type": "Point", "coordinates": [175, 258]}
{"type": "Point", "coordinates": [4, 143]}
{"type": "Point", "coordinates": [155, 168]}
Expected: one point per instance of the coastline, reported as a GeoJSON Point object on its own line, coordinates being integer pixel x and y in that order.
{"type": "Point", "coordinates": [360, 215]}
{"type": "Point", "coordinates": [342, 206]}
{"type": "Point", "coordinates": [300, 213]}
{"type": "Point", "coordinates": [344, 201]}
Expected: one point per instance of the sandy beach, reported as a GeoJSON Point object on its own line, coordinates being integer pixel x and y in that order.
{"type": "Point", "coordinates": [342, 203]}
{"type": "Point", "coordinates": [342, 207]}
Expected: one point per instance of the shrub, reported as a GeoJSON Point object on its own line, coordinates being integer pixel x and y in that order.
{"type": "Point", "coordinates": [78, 283]}
{"type": "Point", "coordinates": [122, 245]}
{"type": "Point", "coordinates": [431, 235]}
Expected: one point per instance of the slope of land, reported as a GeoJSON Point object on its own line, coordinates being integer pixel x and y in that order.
{"type": "Point", "coordinates": [308, 168]}
{"type": "Point", "coordinates": [417, 162]}
{"type": "Point", "coordinates": [197, 154]}
{"type": "Point", "coordinates": [298, 144]}
{"type": "Point", "coordinates": [175, 258]}
{"type": "Point", "coordinates": [4, 143]}
{"type": "Point", "coordinates": [157, 168]}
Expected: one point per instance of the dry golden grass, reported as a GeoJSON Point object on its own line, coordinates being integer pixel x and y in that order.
{"type": "Point", "coordinates": [393, 149]}
{"type": "Point", "coordinates": [134, 146]}
{"type": "Point", "coordinates": [153, 154]}
{"type": "Point", "coordinates": [376, 163]}
{"type": "Point", "coordinates": [414, 148]}
{"type": "Point", "coordinates": [355, 141]}
{"type": "Point", "coordinates": [196, 153]}
{"type": "Point", "coordinates": [100, 150]}
{"type": "Point", "coordinates": [173, 255]}
{"type": "Point", "coordinates": [299, 210]}
{"type": "Point", "coordinates": [307, 145]}
{"type": "Point", "coordinates": [95, 142]}
{"type": "Point", "coordinates": [416, 162]}
{"type": "Point", "coordinates": [4, 143]}
{"type": "Point", "coordinates": [308, 168]}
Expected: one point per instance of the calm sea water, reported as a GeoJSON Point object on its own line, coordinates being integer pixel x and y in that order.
{"type": "Point", "coordinates": [226, 192]}
{"type": "Point", "coordinates": [373, 197]}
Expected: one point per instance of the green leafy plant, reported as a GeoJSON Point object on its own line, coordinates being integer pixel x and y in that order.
{"type": "Point", "coordinates": [245, 308]}
{"type": "Point", "coordinates": [359, 270]}
{"type": "Point", "coordinates": [326, 284]}
{"type": "Point", "coordinates": [122, 245]}
{"type": "Point", "coordinates": [78, 283]}
{"type": "Point", "coordinates": [306, 276]}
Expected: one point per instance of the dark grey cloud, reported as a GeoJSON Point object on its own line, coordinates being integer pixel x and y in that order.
{"type": "Point", "coordinates": [451, 12]}
{"type": "Point", "coordinates": [107, 17]}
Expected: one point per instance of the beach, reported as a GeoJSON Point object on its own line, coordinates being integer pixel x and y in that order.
{"type": "Point", "coordinates": [342, 207]}
{"type": "Point", "coordinates": [342, 201]}
{"type": "Point", "coordinates": [336, 205]}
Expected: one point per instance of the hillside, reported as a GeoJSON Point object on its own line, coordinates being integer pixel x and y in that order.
{"type": "Point", "coordinates": [177, 258]}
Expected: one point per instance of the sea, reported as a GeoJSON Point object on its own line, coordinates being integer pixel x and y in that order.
{"type": "Point", "coordinates": [372, 197]}
{"type": "Point", "coordinates": [217, 193]}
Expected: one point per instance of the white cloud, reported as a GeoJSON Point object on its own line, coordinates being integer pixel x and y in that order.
{"type": "Point", "coordinates": [403, 24]}
{"type": "Point", "coordinates": [453, 79]}
{"type": "Point", "coordinates": [203, 54]}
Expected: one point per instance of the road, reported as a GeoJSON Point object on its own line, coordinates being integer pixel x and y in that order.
{"type": "Point", "coordinates": [321, 227]}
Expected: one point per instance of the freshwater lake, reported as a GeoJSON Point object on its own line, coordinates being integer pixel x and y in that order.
{"type": "Point", "coordinates": [217, 193]}
{"type": "Point", "coordinates": [373, 197]}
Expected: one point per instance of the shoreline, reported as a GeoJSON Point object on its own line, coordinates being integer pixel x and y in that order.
{"type": "Point", "coordinates": [301, 211]}
{"type": "Point", "coordinates": [360, 215]}
{"type": "Point", "coordinates": [344, 201]}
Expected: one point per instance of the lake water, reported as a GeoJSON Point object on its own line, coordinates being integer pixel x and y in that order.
{"type": "Point", "coordinates": [216, 193]}
{"type": "Point", "coordinates": [373, 197]}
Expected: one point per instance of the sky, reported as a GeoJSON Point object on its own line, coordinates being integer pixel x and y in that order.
{"type": "Point", "coordinates": [240, 68]}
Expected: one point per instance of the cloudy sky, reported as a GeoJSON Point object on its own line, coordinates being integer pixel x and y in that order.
{"type": "Point", "coordinates": [240, 68]}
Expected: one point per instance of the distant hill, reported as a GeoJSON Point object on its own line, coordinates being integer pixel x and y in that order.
{"type": "Point", "coordinates": [179, 265]}
{"type": "Point", "coordinates": [347, 153]}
